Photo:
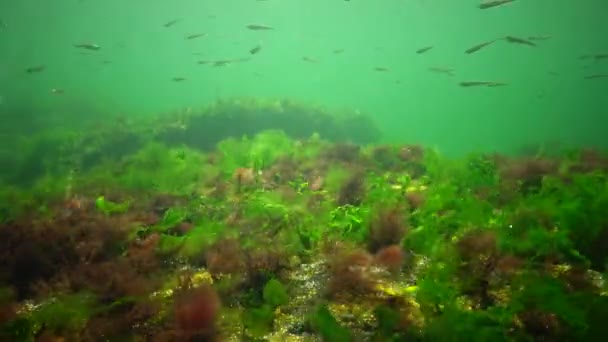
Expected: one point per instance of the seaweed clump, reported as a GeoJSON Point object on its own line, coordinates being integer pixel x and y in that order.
{"type": "Point", "coordinates": [352, 191]}
{"type": "Point", "coordinates": [196, 311]}
{"type": "Point", "coordinates": [387, 228]}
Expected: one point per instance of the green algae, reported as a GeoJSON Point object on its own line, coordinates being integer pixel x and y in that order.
{"type": "Point", "coordinates": [274, 293]}
{"type": "Point", "coordinates": [328, 327]}
{"type": "Point", "coordinates": [109, 207]}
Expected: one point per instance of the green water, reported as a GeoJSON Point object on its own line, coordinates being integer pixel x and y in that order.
{"type": "Point", "coordinates": [547, 98]}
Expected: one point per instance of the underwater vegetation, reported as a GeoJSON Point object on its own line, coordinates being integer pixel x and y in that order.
{"type": "Point", "coordinates": [198, 129]}
{"type": "Point", "coordinates": [280, 235]}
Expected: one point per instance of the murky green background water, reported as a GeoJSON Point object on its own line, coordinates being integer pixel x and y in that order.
{"type": "Point", "coordinates": [547, 98]}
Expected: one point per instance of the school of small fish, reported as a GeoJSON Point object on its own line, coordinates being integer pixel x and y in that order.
{"type": "Point", "coordinates": [530, 41]}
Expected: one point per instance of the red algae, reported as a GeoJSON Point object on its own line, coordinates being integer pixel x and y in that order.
{"type": "Point", "coordinates": [349, 274]}
{"type": "Point", "coordinates": [415, 199]}
{"type": "Point", "coordinates": [411, 153]}
{"type": "Point", "coordinates": [244, 175]}
{"type": "Point", "coordinates": [196, 311]}
{"type": "Point", "coordinates": [225, 257]}
{"type": "Point", "coordinates": [388, 227]}
{"type": "Point", "coordinates": [392, 257]}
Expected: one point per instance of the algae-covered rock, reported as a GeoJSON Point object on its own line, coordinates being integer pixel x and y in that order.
{"type": "Point", "coordinates": [238, 117]}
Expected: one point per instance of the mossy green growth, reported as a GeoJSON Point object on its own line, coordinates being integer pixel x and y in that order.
{"type": "Point", "coordinates": [388, 322]}
{"type": "Point", "coordinates": [121, 303]}
{"type": "Point", "coordinates": [275, 293]}
{"type": "Point", "coordinates": [171, 218]}
{"type": "Point", "coordinates": [597, 316]}
{"type": "Point", "coordinates": [268, 206]}
{"type": "Point", "coordinates": [349, 222]}
{"type": "Point", "coordinates": [7, 294]}
{"type": "Point", "coordinates": [438, 167]}
{"type": "Point", "coordinates": [200, 237]}
{"type": "Point", "coordinates": [7, 211]}
{"type": "Point", "coordinates": [476, 171]}
{"type": "Point", "coordinates": [108, 207]}
{"type": "Point", "coordinates": [386, 189]}
{"type": "Point", "coordinates": [323, 322]}
{"type": "Point", "coordinates": [436, 282]}
{"type": "Point", "coordinates": [63, 314]}
{"type": "Point", "coordinates": [258, 321]}
{"type": "Point", "coordinates": [192, 244]}
{"type": "Point", "coordinates": [18, 329]}
{"type": "Point", "coordinates": [169, 244]}
{"type": "Point", "coordinates": [267, 147]}
{"type": "Point", "coordinates": [551, 296]}
{"type": "Point", "coordinates": [290, 239]}
{"type": "Point", "coordinates": [234, 154]}
{"type": "Point", "coordinates": [456, 325]}
{"type": "Point", "coordinates": [155, 168]}
{"type": "Point", "coordinates": [446, 211]}
{"type": "Point", "coordinates": [560, 219]}
{"type": "Point", "coordinates": [257, 153]}
{"type": "Point", "coordinates": [310, 149]}
{"type": "Point", "coordinates": [578, 209]}
{"type": "Point", "coordinates": [336, 177]}
{"type": "Point", "coordinates": [15, 199]}
{"type": "Point", "coordinates": [68, 312]}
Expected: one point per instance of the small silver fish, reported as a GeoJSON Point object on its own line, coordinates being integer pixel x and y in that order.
{"type": "Point", "coordinates": [256, 27]}
{"type": "Point", "coordinates": [196, 35]}
{"type": "Point", "coordinates": [171, 23]}
{"type": "Point", "coordinates": [539, 38]}
{"type": "Point", "coordinates": [88, 46]}
{"type": "Point", "coordinates": [467, 84]}
{"type": "Point", "coordinates": [517, 40]}
{"type": "Point", "coordinates": [310, 60]}
{"type": "Point", "coordinates": [424, 49]}
{"type": "Point", "coordinates": [35, 69]}
{"type": "Point", "coordinates": [440, 70]}
{"type": "Point", "coordinates": [478, 47]}
{"type": "Point", "coordinates": [596, 76]}
{"type": "Point", "coordinates": [255, 49]}
{"type": "Point", "coordinates": [221, 63]}
{"type": "Point", "coordinates": [494, 3]}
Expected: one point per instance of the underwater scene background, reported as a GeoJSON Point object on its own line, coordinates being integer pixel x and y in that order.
{"type": "Point", "coordinates": [285, 170]}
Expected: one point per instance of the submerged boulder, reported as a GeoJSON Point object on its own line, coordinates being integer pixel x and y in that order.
{"type": "Point", "coordinates": [238, 117]}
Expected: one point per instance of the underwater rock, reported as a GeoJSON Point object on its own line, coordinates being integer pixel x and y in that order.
{"type": "Point", "coordinates": [238, 117]}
